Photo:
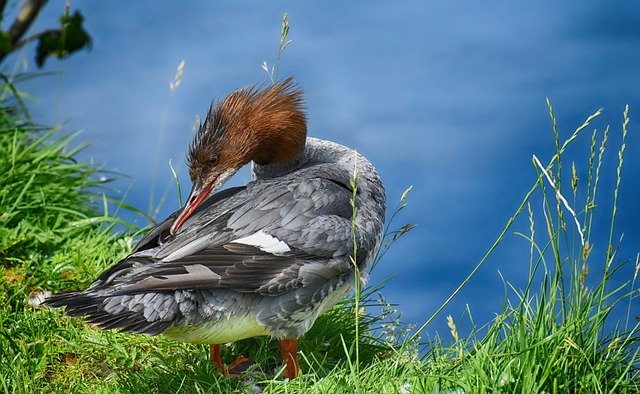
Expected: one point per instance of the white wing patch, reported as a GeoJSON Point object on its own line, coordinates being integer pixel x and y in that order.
{"type": "Point", "coordinates": [264, 242]}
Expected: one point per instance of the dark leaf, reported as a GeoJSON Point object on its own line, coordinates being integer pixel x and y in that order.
{"type": "Point", "coordinates": [61, 43]}
{"type": "Point", "coordinates": [47, 45]}
{"type": "Point", "coordinates": [5, 43]}
{"type": "Point", "coordinates": [75, 36]}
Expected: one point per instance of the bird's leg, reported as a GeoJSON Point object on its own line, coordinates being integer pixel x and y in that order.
{"type": "Point", "coordinates": [289, 351]}
{"type": "Point", "coordinates": [214, 352]}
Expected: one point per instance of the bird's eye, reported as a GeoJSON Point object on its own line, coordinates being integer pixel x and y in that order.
{"type": "Point", "coordinates": [213, 159]}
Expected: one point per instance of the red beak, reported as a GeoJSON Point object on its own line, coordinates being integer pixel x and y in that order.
{"type": "Point", "coordinates": [198, 194]}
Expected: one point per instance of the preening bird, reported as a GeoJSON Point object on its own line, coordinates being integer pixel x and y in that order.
{"type": "Point", "coordinates": [266, 258]}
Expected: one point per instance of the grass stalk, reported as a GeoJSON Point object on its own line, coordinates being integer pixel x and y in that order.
{"type": "Point", "coordinates": [284, 43]}
{"type": "Point", "coordinates": [356, 270]}
{"type": "Point", "coordinates": [154, 208]}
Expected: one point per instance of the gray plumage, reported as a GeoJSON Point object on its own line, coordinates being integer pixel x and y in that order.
{"type": "Point", "coordinates": [212, 283]}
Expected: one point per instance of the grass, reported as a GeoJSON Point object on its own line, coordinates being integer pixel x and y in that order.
{"type": "Point", "coordinates": [553, 335]}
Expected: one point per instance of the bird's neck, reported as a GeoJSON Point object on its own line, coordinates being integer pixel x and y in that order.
{"type": "Point", "coordinates": [316, 151]}
{"type": "Point", "coordinates": [274, 170]}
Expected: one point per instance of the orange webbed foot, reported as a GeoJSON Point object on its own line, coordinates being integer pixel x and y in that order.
{"type": "Point", "coordinates": [237, 367]}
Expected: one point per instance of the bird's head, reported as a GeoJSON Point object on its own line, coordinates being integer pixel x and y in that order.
{"type": "Point", "coordinates": [264, 125]}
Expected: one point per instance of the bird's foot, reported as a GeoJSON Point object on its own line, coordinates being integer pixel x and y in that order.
{"type": "Point", "coordinates": [238, 366]}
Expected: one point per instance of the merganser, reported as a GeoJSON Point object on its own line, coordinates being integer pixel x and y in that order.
{"type": "Point", "coordinates": [263, 259]}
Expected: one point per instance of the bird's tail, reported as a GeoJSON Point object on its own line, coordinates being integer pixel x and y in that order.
{"type": "Point", "coordinates": [150, 313]}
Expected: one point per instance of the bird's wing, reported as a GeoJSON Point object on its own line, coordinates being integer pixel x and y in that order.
{"type": "Point", "coordinates": [270, 237]}
{"type": "Point", "coordinates": [159, 233]}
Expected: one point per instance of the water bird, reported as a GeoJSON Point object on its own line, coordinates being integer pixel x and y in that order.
{"type": "Point", "coordinates": [266, 258]}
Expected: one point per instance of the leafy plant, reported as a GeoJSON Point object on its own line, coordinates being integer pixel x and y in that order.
{"type": "Point", "coordinates": [59, 42]}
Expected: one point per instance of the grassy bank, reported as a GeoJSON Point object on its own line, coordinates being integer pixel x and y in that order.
{"type": "Point", "coordinates": [555, 335]}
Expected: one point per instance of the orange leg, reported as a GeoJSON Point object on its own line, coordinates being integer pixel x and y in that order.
{"type": "Point", "coordinates": [289, 351]}
{"type": "Point", "coordinates": [214, 352]}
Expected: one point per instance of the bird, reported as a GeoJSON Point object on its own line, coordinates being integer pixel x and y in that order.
{"type": "Point", "coordinates": [263, 259]}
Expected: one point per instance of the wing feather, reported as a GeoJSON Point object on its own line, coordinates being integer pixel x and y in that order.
{"type": "Point", "coordinates": [308, 215]}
